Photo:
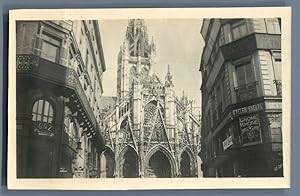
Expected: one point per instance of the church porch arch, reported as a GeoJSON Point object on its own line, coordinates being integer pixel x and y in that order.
{"type": "Point", "coordinates": [160, 163]}
{"type": "Point", "coordinates": [187, 163]}
{"type": "Point", "coordinates": [128, 162]}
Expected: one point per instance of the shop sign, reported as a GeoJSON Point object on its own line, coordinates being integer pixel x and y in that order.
{"type": "Point", "coordinates": [248, 109]}
{"type": "Point", "coordinates": [227, 143]}
{"type": "Point", "coordinates": [273, 105]}
{"type": "Point", "coordinates": [250, 129]}
{"type": "Point", "coordinates": [43, 128]}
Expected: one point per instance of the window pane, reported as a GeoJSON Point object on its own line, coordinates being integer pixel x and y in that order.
{"type": "Point", "coordinates": [50, 111]}
{"type": "Point", "coordinates": [46, 108]}
{"type": "Point", "coordinates": [35, 107]}
{"type": "Point", "coordinates": [33, 116]}
{"type": "Point", "coordinates": [40, 107]}
{"type": "Point", "coordinates": [45, 119]}
{"type": "Point", "coordinates": [250, 73]}
{"type": "Point", "coordinates": [50, 119]}
{"type": "Point", "coordinates": [49, 51]}
{"type": "Point", "coordinates": [39, 117]}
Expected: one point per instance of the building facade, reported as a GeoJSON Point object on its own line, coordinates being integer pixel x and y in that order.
{"type": "Point", "coordinates": [241, 98]}
{"type": "Point", "coordinates": [149, 131]}
{"type": "Point", "coordinates": [59, 85]}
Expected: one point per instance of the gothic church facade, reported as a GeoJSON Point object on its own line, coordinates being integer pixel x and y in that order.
{"type": "Point", "coordinates": [149, 132]}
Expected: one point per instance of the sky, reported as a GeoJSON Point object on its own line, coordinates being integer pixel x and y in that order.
{"type": "Point", "coordinates": [178, 43]}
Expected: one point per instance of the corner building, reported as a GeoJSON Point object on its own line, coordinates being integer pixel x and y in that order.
{"type": "Point", "coordinates": [149, 131]}
{"type": "Point", "coordinates": [59, 67]}
{"type": "Point", "coordinates": [241, 98]}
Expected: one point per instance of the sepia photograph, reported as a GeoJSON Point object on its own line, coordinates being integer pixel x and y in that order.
{"type": "Point", "coordinates": [195, 99]}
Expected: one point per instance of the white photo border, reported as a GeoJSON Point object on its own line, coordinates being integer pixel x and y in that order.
{"type": "Point", "coordinates": [144, 183]}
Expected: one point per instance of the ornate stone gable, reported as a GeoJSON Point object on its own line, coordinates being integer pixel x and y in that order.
{"type": "Point", "coordinates": [126, 133]}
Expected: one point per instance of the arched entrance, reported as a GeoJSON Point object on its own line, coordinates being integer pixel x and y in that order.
{"type": "Point", "coordinates": [129, 168]}
{"type": "Point", "coordinates": [185, 165]}
{"type": "Point", "coordinates": [158, 166]}
{"type": "Point", "coordinates": [41, 146]}
{"type": "Point", "coordinates": [107, 164]}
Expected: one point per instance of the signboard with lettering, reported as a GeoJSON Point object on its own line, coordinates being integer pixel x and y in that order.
{"type": "Point", "coordinates": [250, 129]}
{"type": "Point", "coordinates": [248, 109]}
{"type": "Point", "coordinates": [43, 128]}
{"type": "Point", "coordinates": [227, 143]}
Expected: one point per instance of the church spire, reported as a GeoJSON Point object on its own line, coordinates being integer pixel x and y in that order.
{"type": "Point", "coordinates": [137, 37]}
{"type": "Point", "coordinates": [168, 80]}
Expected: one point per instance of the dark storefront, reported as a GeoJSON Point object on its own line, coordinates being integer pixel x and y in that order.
{"type": "Point", "coordinates": [249, 145]}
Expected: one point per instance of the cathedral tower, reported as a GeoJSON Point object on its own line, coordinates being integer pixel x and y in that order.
{"type": "Point", "coordinates": [135, 57]}
{"type": "Point", "coordinates": [150, 133]}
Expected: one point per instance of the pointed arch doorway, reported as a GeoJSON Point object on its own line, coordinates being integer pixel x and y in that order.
{"type": "Point", "coordinates": [158, 166]}
{"type": "Point", "coordinates": [129, 166]}
{"type": "Point", "coordinates": [187, 164]}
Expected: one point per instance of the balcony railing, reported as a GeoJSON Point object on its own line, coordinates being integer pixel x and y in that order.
{"type": "Point", "coordinates": [246, 92]}
{"type": "Point", "coordinates": [40, 68]}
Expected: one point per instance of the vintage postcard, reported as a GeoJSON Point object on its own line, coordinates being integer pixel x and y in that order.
{"type": "Point", "coordinates": [181, 98]}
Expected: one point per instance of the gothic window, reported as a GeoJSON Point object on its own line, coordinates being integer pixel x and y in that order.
{"type": "Point", "coordinates": [42, 111]}
{"type": "Point", "coordinates": [150, 112]}
{"type": "Point", "coordinates": [153, 122]}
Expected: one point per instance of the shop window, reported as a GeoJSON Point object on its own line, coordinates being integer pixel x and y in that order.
{"type": "Point", "coordinates": [239, 29]}
{"type": "Point", "coordinates": [42, 111]}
